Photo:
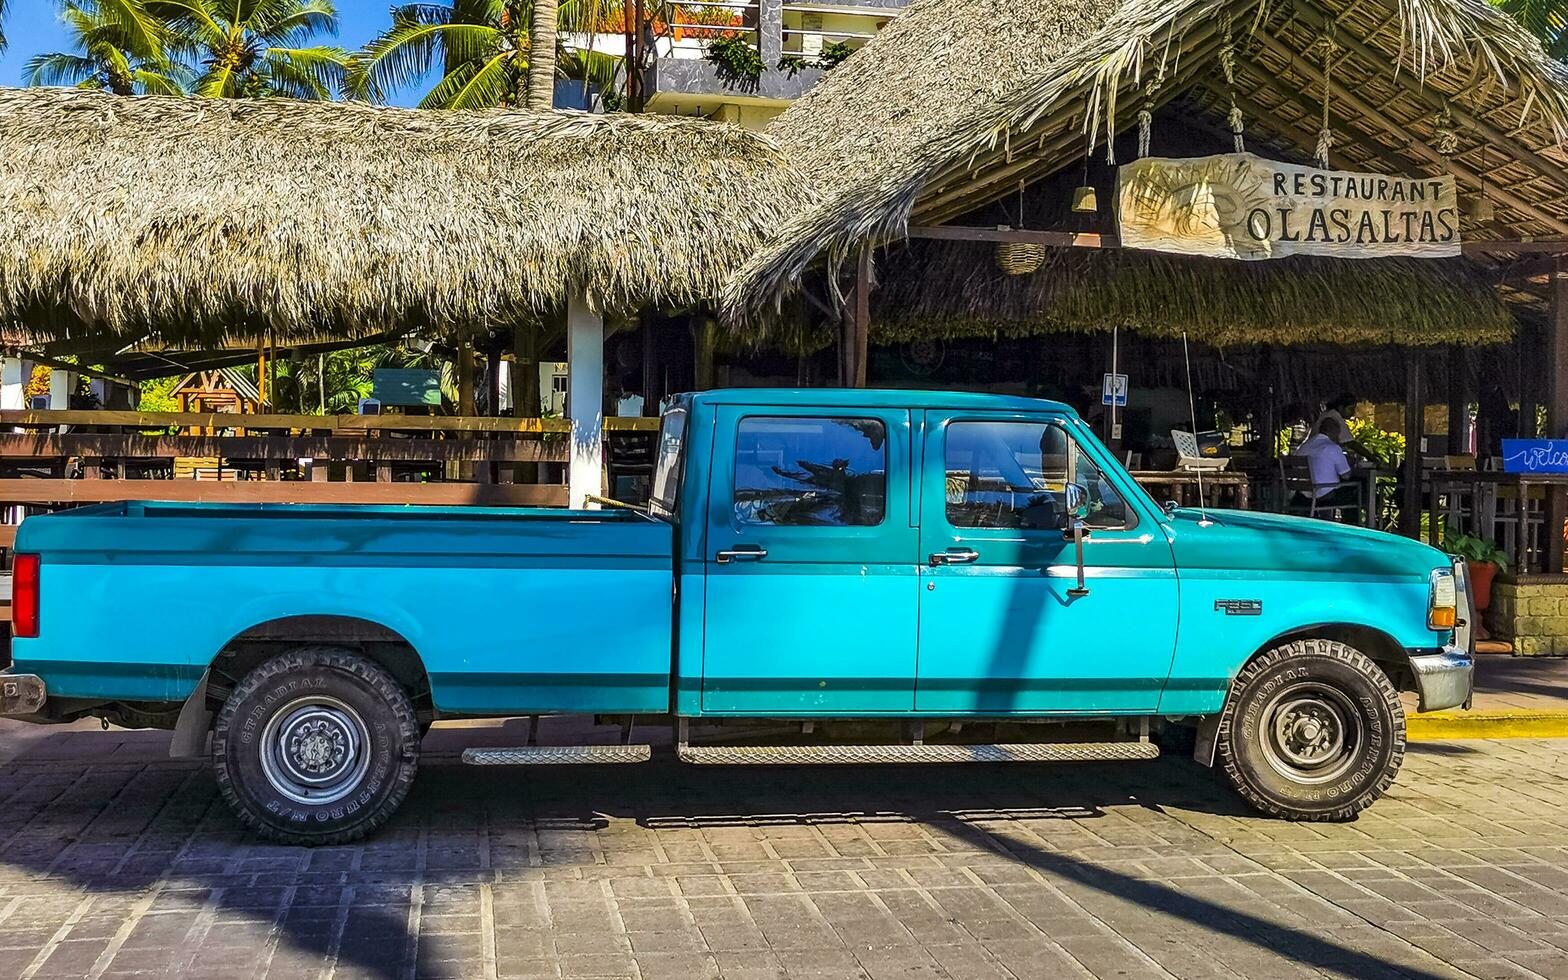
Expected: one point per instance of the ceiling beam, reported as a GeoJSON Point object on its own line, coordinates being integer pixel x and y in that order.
{"type": "Point", "coordinates": [1367, 113]}
{"type": "Point", "coordinates": [1404, 79]}
{"type": "Point", "coordinates": [1061, 239]}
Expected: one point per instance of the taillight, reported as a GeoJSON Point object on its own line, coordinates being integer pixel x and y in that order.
{"type": "Point", "coordinates": [24, 595]}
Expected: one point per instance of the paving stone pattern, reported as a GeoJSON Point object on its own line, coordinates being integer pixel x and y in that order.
{"type": "Point", "coordinates": [118, 863]}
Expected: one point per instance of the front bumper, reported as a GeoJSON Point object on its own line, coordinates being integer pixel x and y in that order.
{"type": "Point", "coordinates": [1444, 679]}
{"type": "Point", "coordinates": [22, 694]}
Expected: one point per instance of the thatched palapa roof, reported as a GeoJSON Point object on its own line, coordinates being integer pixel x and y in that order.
{"type": "Point", "coordinates": [193, 219]}
{"type": "Point", "coordinates": [959, 101]}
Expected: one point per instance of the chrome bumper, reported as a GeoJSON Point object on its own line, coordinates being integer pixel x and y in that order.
{"type": "Point", "coordinates": [1444, 679]}
{"type": "Point", "coordinates": [22, 694]}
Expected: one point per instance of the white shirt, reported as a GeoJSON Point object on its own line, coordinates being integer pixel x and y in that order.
{"type": "Point", "coordinates": [1328, 463]}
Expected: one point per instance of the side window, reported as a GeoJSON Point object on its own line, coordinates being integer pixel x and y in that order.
{"type": "Point", "coordinates": [665, 492]}
{"type": "Point", "coordinates": [810, 472]}
{"type": "Point", "coordinates": [1024, 475]}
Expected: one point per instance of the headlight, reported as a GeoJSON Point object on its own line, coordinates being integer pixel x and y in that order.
{"type": "Point", "coordinates": [1442, 611]}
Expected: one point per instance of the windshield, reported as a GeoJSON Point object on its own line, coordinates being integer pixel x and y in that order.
{"type": "Point", "coordinates": [666, 491]}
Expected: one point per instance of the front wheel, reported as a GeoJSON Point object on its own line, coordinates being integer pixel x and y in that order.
{"type": "Point", "coordinates": [1313, 730]}
{"type": "Point", "coordinates": [316, 746]}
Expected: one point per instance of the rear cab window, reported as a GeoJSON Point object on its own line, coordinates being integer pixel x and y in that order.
{"type": "Point", "coordinates": [797, 471]}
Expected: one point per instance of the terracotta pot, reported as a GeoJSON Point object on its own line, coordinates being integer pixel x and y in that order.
{"type": "Point", "coordinates": [1481, 575]}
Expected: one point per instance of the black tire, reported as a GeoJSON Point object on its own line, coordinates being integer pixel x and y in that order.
{"type": "Point", "coordinates": [1312, 730]}
{"type": "Point", "coordinates": [316, 746]}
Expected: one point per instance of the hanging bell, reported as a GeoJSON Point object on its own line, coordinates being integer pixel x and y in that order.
{"type": "Point", "coordinates": [1085, 200]}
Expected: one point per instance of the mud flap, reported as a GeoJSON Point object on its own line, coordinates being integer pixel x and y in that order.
{"type": "Point", "coordinates": [193, 725]}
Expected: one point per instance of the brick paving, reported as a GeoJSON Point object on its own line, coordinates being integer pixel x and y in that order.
{"type": "Point", "coordinates": [117, 862]}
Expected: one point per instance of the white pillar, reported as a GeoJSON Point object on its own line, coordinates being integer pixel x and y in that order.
{"type": "Point", "coordinates": [585, 400]}
{"type": "Point", "coordinates": [61, 385]}
{"type": "Point", "coordinates": [14, 375]}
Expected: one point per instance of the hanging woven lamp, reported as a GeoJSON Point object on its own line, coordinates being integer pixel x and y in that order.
{"type": "Point", "coordinates": [1019, 258]}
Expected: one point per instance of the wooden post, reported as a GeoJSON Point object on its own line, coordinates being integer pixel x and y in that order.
{"type": "Point", "coordinates": [705, 338]}
{"type": "Point", "coordinates": [862, 316]}
{"type": "Point", "coordinates": [1410, 502]}
{"type": "Point", "coordinates": [1458, 402]}
{"type": "Point", "coordinates": [1556, 409]}
{"type": "Point", "coordinates": [465, 379]}
{"type": "Point", "coordinates": [585, 400]}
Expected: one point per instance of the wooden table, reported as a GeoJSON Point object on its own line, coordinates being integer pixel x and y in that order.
{"type": "Point", "coordinates": [1211, 482]}
{"type": "Point", "coordinates": [1484, 488]}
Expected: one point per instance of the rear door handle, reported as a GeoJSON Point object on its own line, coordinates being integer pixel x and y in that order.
{"type": "Point", "coordinates": [744, 552]}
{"type": "Point", "coordinates": [954, 556]}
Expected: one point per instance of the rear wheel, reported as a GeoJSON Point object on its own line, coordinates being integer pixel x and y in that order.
{"type": "Point", "coordinates": [1313, 730]}
{"type": "Point", "coordinates": [316, 746]}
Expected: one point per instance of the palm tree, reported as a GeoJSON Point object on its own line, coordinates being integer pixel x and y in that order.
{"type": "Point", "coordinates": [254, 48]}
{"type": "Point", "coordinates": [485, 49]}
{"type": "Point", "coordinates": [1546, 19]}
{"type": "Point", "coordinates": [119, 48]}
{"type": "Point", "coordinates": [2, 26]}
{"type": "Point", "coordinates": [541, 55]}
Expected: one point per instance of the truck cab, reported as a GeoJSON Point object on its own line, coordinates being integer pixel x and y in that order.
{"type": "Point", "coordinates": [830, 576]}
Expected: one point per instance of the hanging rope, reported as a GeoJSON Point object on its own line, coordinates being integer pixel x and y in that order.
{"type": "Point", "coordinates": [1146, 113]}
{"type": "Point", "coordinates": [1446, 140]}
{"type": "Point", "coordinates": [1228, 65]}
{"type": "Point", "coordinates": [1325, 131]}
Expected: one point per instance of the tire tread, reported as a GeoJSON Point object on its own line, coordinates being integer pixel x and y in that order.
{"type": "Point", "coordinates": [333, 658]}
{"type": "Point", "coordinates": [1263, 664]}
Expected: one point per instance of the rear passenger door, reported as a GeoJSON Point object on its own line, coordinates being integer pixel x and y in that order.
{"type": "Point", "coordinates": [810, 570]}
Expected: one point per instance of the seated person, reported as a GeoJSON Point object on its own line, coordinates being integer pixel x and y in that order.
{"type": "Point", "coordinates": [1329, 467]}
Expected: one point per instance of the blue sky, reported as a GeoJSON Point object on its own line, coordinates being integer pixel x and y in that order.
{"type": "Point", "coordinates": [33, 26]}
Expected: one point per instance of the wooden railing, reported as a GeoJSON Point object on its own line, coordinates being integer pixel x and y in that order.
{"type": "Point", "coordinates": [46, 460]}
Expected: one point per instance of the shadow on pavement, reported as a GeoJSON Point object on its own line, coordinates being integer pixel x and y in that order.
{"type": "Point", "coordinates": [122, 826]}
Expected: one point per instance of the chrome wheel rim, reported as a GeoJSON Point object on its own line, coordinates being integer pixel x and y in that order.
{"type": "Point", "coordinates": [315, 750]}
{"type": "Point", "coordinates": [1311, 733]}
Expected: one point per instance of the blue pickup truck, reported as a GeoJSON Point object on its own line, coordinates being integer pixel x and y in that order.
{"type": "Point", "coordinates": [821, 576]}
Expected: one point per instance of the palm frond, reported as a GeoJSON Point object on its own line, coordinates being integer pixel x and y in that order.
{"type": "Point", "coordinates": [405, 54]}
{"type": "Point", "coordinates": [59, 68]}
{"type": "Point", "coordinates": [475, 85]}
{"type": "Point", "coordinates": [291, 22]}
{"type": "Point", "coordinates": [306, 73]}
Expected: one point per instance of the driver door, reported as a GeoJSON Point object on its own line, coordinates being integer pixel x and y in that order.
{"type": "Point", "coordinates": [999, 632]}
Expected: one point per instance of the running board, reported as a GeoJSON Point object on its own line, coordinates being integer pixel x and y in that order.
{"type": "Point", "coordinates": [856, 755]}
{"type": "Point", "coordinates": [559, 755]}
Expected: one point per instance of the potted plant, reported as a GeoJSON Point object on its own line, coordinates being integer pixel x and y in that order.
{"type": "Point", "coordinates": [1484, 560]}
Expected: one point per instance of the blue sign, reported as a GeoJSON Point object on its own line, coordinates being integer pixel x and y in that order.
{"type": "Point", "coordinates": [1113, 390]}
{"type": "Point", "coordinates": [406, 386]}
{"type": "Point", "coordinates": [1535, 455]}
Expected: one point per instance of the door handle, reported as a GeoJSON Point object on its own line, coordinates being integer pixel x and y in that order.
{"type": "Point", "coordinates": [954, 556]}
{"type": "Point", "coordinates": [745, 552]}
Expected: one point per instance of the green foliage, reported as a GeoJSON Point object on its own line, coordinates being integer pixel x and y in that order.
{"type": "Point", "coordinates": [1387, 446]}
{"type": "Point", "coordinates": [1546, 19]}
{"type": "Point", "coordinates": [830, 57]}
{"type": "Point", "coordinates": [117, 46]}
{"type": "Point", "coordinates": [256, 49]}
{"type": "Point", "coordinates": [481, 48]}
{"type": "Point", "coordinates": [1472, 548]}
{"type": "Point", "coordinates": [157, 395]}
{"type": "Point", "coordinates": [738, 62]}
{"type": "Point", "coordinates": [336, 382]}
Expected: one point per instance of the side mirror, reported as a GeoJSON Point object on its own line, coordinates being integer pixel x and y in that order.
{"type": "Point", "coordinates": [1077, 501]}
{"type": "Point", "coordinates": [1170, 506]}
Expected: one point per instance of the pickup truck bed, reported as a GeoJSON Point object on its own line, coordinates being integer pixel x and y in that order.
{"type": "Point", "coordinates": [515, 610]}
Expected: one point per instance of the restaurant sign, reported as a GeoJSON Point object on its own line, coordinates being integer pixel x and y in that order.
{"type": "Point", "coordinates": [1535, 455]}
{"type": "Point", "coordinates": [1241, 206]}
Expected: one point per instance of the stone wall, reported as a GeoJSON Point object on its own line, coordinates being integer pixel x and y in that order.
{"type": "Point", "coordinates": [1531, 612]}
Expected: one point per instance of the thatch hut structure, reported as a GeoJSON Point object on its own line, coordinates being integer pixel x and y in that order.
{"type": "Point", "coordinates": [194, 220]}
{"type": "Point", "coordinates": [959, 102]}
{"type": "Point", "coordinates": [967, 115]}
